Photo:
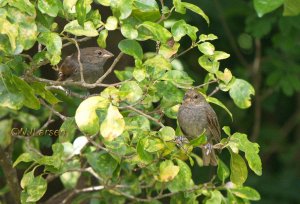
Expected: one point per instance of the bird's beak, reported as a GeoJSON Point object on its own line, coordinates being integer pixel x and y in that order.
{"type": "Point", "coordinates": [108, 55]}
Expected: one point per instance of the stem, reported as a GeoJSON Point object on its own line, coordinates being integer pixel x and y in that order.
{"type": "Point", "coordinates": [257, 84]}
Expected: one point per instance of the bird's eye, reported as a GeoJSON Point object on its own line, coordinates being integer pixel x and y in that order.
{"type": "Point", "coordinates": [99, 53]}
{"type": "Point", "coordinates": [196, 96]}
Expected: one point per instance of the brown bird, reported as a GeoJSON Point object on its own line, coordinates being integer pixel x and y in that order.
{"type": "Point", "coordinates": [194, 116]}
{"type": "Point", "coordinates": [92, 59]}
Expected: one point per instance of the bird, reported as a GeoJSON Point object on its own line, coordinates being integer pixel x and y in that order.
{"type": "Point", "coordinates": [195, 116]}
{"type": "Point", "coordinates": [92, 59]}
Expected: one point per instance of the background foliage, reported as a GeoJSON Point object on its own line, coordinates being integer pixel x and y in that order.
{"type": "Point", "coordinates": [133, 159]}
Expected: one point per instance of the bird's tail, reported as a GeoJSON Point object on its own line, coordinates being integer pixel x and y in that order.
{"type": "Point", "coordinates": [208, 155]}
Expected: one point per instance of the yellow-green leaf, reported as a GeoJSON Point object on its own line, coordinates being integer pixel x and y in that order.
{"type": "Point", "coordinates": [113, 125]}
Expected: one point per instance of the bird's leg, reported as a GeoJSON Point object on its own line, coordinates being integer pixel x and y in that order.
{"type": "Point", "coordinates": [180, 141]}
{"type": "Point", "coordinates": [208, 148]}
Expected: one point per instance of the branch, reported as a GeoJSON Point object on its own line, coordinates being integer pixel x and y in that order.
{"type": "Point", "coordinates": [257, 84]}
{"type": "Point", "coordinates": [70, 83]}
{"type": "Point", "coordinates": [10, 175]}
{"type": "Point", "coordinates": [229, 35]}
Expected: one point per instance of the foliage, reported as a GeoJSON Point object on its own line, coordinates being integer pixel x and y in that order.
{"type": "Point", "coordinates": [125, 149]}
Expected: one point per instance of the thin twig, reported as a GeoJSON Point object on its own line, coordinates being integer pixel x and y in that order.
{"type": "Point", "coordinates": [185, 51]}
{"type": "Point", "coordinates": [78, 58]}
{"type": "Point", "coordinates": [144, 114]}
{"type": "Point", "coordinates": [53, 110]}
{"type": "Point", "coordinates": [109, 70]}
{"type": "Point", "coordinates": [207, 83]}
{"type": "Point", "coordinates": [214, 91]}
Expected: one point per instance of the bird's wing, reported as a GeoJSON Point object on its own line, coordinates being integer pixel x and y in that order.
{"type": "Point", "coordinates": [213, 125]}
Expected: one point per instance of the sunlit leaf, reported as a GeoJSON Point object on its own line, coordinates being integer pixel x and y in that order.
{"type": "Point", "coordinates": [246, 193]}
{"type": "Point", "coordinates": [87, 30]}
{"type": "Point", "coordinates": [113, 125]}
{"type": "Point", "coordinates": [240, 92]}
{"type": "Point", "coordinates": [167, 171]}
{"type": "Point", "coordinates": [223, 171]}
{"type": "Point", "coordinates": [239, 172]}
{"type": "Point", "coordinates": [86, 117]}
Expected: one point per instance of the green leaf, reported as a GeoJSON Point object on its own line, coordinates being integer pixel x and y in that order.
{"type": "Point", "coordinates": [266, 6]}
{"type": "Point", "coordinates": [219, 55]}
{"type": "Point", "coordinates": [246, 193]}
{"type": "Point", "coordinates": [132, 48]}
{"type": "Point", "coordinates": [183, 180]}
{"type": "Point", "coordinates": [240, 92]}
{"type": "Point", "coordinates": [88, 29]}
{"type": "Point", "coordinates": [23, 5]}
{"type": "Point", "coordinates": [113, 125]}
{"type": "Point", "coordinates": [208, 63]}
{"type": "Point", "coordinates": [40, 89]}
{"type": "Point", "coordinates": [219, 103]}
{"type": "Point", "coordinates": [195, 9]}
{"type": "Point", "coordinates": [227, 130]}
{"type": "Point", "coordinates": [29, 121]}
{"type": "Point", "coordinates": [9, 94]}
{"type": "Point", "coordinates": [123, 75]}
{"type": "Point", "coordinates": [25, 157]}
{"type": "Point", "coordinates": [240, 141]}
{"type": "Point", "coordinates": [5, 132]}
{"type": "Point", "coordinates": [103, 2]}
{"type": "Point", "coordinates": [223, 171]}
{"type": "Point", "coordinates": [81, 11]}
{"type": "Point", "coordinates": [208, 37]}
{"type": "Point", "coordinates": [239, 172]}
{"type": "Point", "coordinates": [206, 48]}
{"type": "Point", "coordinates": [128, 31]}
{"type": "Point", "coordinates": [86, 117]}
{"type": "Point", "coordinates": [291, 7]}
{"type": "Point", "coordinates": [153, 145]}
{"type": "Point", "coordinates": [121, 8]}
{"type": "Point", "coordinates": [167, 171]}
{"type": "Point", "coordinates": [36, 189]}
{"type": "Point", "coordinates": [200, 140]}
{"type": "Point", "coordinates": [131, 92]}
{"type": "Point", "coordinates": [158, 62]}
{"type": "Point", "coordinates": [181, 28]}
{"type": "Point", "coordinates": [11, 31]}
{"type": "Point", "coordinates": [30, 100]}
{"type": "Point", "coordinates": [27, 179]}
{"type": "Point", "coordinates": [146, 10]}
{"type": "Point", "coordinates": [27, 29]}
{"type": "Point", "coordinates": [67, 130]}
{"type": "Point", "coordinates": [70, 179]}
{"type": "Point", "coordinates": [50, 7]}
{"type": "Point", "coordinates": [179, 6]}
{"type": "Point", "coordinates": [167, 133]}
{"type": "Point", "coordinates": [103, 163]}
{"type": "Point", "coordinates": [139, 74]}
{"type": "Point", "coordinates": [111, 23]}
{"type": "Point", "coordinates": [137, 122]}
{"type": "Point", "coordinates": [215, 197]}
{"type": "Point", "coordinates": [70, 6]}
{"type": "Point", "coordinates": [178, 78]}
{"type": "Point", "coordinates": [101, 40]}
{"type": "Point", "coordinates": [145, 156]}
{"type": "Point", "coordinates": [158, 32]}
{"type": "Point", "coordinates": [55, 161]}
{"type": "Point", "coordinates": [53, 43]}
